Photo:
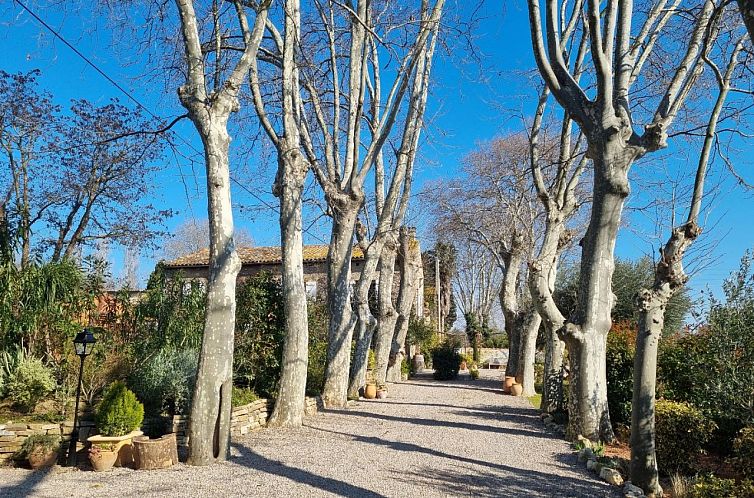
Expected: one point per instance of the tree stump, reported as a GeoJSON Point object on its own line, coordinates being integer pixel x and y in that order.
{"type": "Point", "coordinates": [152, 454]}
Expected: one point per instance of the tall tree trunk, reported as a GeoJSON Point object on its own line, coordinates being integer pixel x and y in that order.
{"type": "Point", "coordinates": [509, 302]}
{"type": "Point", "coordinates": [387, 313]}
{"type": "Point", "coordinates": [586, 342]}
{"type": "Point", "coordinates": [411, 265]}
{"type": "Point", "coordinates": [543, 272]}
{"type": "Point", "coordinates": [209, 427]}
{"type": "Point", "coordinates": [289, 187]}
{"type": "Point", "coordinates": [513, 332]}
{"type": "Point", "coordinates": [365, 323]}
{"type": "Point", "coordinates": [342, 318]}
{"type": "Point", "coordinates": [527, 351]}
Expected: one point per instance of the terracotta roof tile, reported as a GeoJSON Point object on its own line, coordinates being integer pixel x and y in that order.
{"type": "Point", "coordinates": [258, 255]}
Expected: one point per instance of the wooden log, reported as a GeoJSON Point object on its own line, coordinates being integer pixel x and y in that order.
{"type": "Point", "coordinates": [152, 454]}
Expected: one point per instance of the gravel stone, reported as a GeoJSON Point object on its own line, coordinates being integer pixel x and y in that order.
{"type": "Point", "coordinates": [429, 438]}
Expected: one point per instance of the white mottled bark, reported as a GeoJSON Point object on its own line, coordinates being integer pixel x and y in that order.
{"type": "Point", "coordinates": [652, 302]}
{"type": "Point", "coordinates": [387, 312]}
{"type": "Point", "coordinates": [342, 318]}
{"type": "Point", "coordinates": [289, 187]}
{"type": "Point", "coordinates": [527, 352]}
{"type": "Point", "coordinates": [209, 429]}
{"type": "Point", "coordinates": [411, 274]}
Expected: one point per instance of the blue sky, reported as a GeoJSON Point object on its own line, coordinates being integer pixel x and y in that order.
{"type": "Point", "coordinates": [469, 104]}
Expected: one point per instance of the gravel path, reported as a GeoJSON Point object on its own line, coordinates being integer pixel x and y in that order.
{"type": "Point", "coordinates": [429, 438]}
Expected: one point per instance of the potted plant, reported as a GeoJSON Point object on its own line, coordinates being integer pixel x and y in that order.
{"type": "Point", "coordinates": [474, 371]}
{"type": "Point", "coordinates": [381, 391]}
{"type": "Point", "coordinates": [370, 390]}
{"type": "Point", "coordinates": [41, 450]}
{"type": "Point", "coordinates": [119, 416]}
{"type": "Point", "coordinates": [507, 383]}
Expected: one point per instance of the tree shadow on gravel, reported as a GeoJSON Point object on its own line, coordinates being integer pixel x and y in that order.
{"type": "Point", "coordinates": [256, 461]}
{"type": "Point", "coordinates": [518, 482]}
{"type": "Point", "coordinates": [27, 485]}
{"type": "Point", "coordinates": [433, 422]}
{"type": "Point", "coordinates": [501, 480]}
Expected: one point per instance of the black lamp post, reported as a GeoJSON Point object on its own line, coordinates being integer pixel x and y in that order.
{"type": "Point", "coordinates": [84, 345]}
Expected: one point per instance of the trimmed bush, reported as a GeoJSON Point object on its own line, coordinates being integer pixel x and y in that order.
{"type": "Point", "coordinates": [260, 330]}
{"type": "Point", "coordinates": [710, 486]}
{"type": "Point", "coordinates": [119, 412]}
{"type": "Point", "coordinates": [242, 396]}
{"type": "Point", "coordinates": [29, 383]}
{"type": "Point", "coordinates": [37, 442]}
{"type": "Point", "coordinates": [446, 361]}
{"type": "Point", "coordinates": [315, 370]}
{"type": "Point", "coordinates": [743, 450]}
{"type": "Point", "coordinates": [621, 347]}
{"type": "Point", "coordinates": [166, 381]}
{"type": "Point", "coordinates": [681, 431]}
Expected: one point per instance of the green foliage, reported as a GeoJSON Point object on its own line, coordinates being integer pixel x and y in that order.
{"type": "Point", "coordinates": [681, 431]}
{"type": "Point", "coordinates": [242, 396]}
{"type": "Point", "coordinates": [318, 323]}
{"type": "Point", "coordinates": [259, 336]}
{"type": "Point", "coordinates": [628, 278]}
{"type": "Point", "coordinates": [39, 443]}
{"type": "Point", "coordinates": [446, 360]}
{"type": "Point", "coordinates": [474, 372]}
{"type": "Point", "coordinates": [41, 304]}
{"type": "Point", "coordinates": [423, 335]}
{"type": "Point", "coordinates": [405, 367]}
{"type": "Point", "coordinates": [9, 362]}
{"type": "Point", "coordinates": [119, 412]}
{"type": "Point", "coordinates": [29, 383]}
{"type": "Point", "coordinates": [166, 381]}
{"type": "Point", "coordinates": [621, 347]}
{"type": "Point", "coordinates": [714, 367]}
{"type": "Point", "coordinates": [495, 340]}
{"type": "Point", "coordinates": [170, 315]}
{"type": "Point", "coordinates": [743, 450]}
{"type": "Point", "coordinates": [709, 486]}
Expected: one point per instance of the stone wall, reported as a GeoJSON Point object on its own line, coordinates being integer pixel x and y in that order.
{"type": "Point", "coordinates": [13, 435]}
{"type": "Point", "coordinates": [243, 419]}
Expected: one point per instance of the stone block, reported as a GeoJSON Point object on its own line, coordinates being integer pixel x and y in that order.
{"type": "Point", "coordinates": [15, 427]}
{"type": "Point", "coordinates": [611, 476]}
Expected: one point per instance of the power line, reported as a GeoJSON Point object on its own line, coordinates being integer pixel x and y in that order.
{"type": "Point", "coordinates": [138, 103]}
{"type": "Point", "coordinates": [86, 59]}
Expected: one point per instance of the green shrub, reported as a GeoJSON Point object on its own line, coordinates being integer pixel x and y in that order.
{"type": "Point", "coordinates": [743, 450]}
{"type": "Point", "coordinates": [621, 346]}
{"type": "Point", "coordinates": [681, 431]}
{"type": "Point", "coordinates": [446, 360]}
{"type": "Point", "coordinates": [315, 371]}
{"type": "Point", "coordinates": [260, 331]}
{"type": "Point", "coordinates": [29, 383]}
{"type": "Point", "coordinates": [37, 442]}
{"type": "Point", "coordinates": [166, 381]}
{"type": "Point", "coordinates": [242, 396]}
{"type": "Point", "coordinates": [710, 486]}
{"type": "Point", "coordinates": [119, 412]}
{"type": "Point", "coordinates": [405, 367]}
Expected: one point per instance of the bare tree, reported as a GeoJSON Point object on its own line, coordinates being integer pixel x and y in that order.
{"type": "Point", "coordinates": [333, 148]}
{"type": "Point", "coordinates": [670, 277]}
{"type": "Point", "coordinates": [496, 207]}
{"type": "Point", "coordinates": [210, 101]}
{"type": "Point", "coordinates": [193, 235]}
{"type": "Point", "coordinates": [381, 245]}
{"type": "Point", "coordinates": [618, 55]}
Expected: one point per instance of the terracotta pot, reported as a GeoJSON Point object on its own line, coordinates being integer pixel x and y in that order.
{"type": "Point", "coordinates": [517, 389]}
{"type": "Point", "coordinates": [381, 393]}
{"type": "Point", "coordinates": [507, 383]}
{"type": "Point", "coordinates": [370, 391]}
{"type": "Point", "coordinates": [463, 365]}
{"type": "Point", "coordinates": [42, 458]}
{"type": "Point", "coordinates": [102, 461]}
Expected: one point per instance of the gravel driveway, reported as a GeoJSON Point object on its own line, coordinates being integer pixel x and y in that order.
{"type": "Point", "coordinates": [430, 438]}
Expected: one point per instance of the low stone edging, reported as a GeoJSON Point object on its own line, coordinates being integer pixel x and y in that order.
{"type": "Point", "coordinates": [13, 435]}
{"type": "Point", "coordinates": [243, 419]}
